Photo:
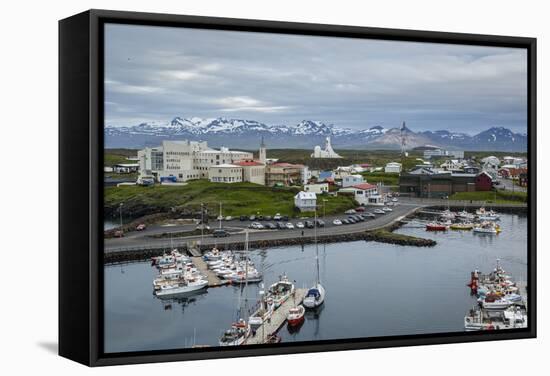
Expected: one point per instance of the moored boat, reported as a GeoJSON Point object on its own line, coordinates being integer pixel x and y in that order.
{"type": "Point", "coordinates": [434, 226]}
{"type": "Point", "coordinates": [462, 226]}
{"type": "Point", "coordinates": [296, 315]}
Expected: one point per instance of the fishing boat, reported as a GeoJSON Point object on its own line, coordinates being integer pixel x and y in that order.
{"type": "Point", "coordinates": [280, 291]}
{"type": "Point", "coordinates": [180, 287]}
{"type": "Point", "coordinates": [487, 228]}
{"type": "Point", "coordinates": [236, 335]}
{"type": "Point", "coordinates": [487, 215]}
{"type": "Point", "coordinates": [315, 296]}
{"type": "Point", "coordinates": [296, 315]}
{"type": "Point", "coordinates": [242, 276]}
{"type": "Point", "coordinates": [462, 226]}
{"type": "Point", "coordinates": [465, 215]}
{"type": "Point", "coordinates": [434, 226]}
{"type": "Point", "coordinates": [447, 215]}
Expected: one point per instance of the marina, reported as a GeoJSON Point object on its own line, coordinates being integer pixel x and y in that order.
{"type": "Point", "coordinates": [395, 290]}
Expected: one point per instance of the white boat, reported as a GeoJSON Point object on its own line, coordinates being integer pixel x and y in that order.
{"type": "Point", "coordinates": [465, 215]}
{"type": "Point", "coordinates": [487, 228]}
{"type": "Point", "coordinates": [295, 315]}
{"type": "Point", "coordinates": [249, 276]}
{"type": "Point", "coordinates": [280, 291]}
{"type": "Point", "coordinates": [447, 214]}
{"type": "Point", "coordinates": [315, 295]}
{"type": "Point", "coordinates": [487, 215]}
{"type": "Point", "coordinates": [499, 304]}
{"type": "Point", "coordinates": [179, 287]}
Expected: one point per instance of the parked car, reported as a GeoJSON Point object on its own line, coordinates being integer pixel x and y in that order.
{"type": "Point", "coordinates": [379, 211]}
{"type": "Point", "coordinates": [360, 209]}
{"type": "Point", "coordinates": [220, 233]}
{"type": "Point", "coordinates": [284, 218]}
{"type": "Point", "coordinates": [270, 226]}
{"type": "Point", "coordinates": [242, 218]}
{"type": "Point", "coordinates": [351, 220]}
{"type": "Point", "coordinates": [310, 224]}
{"type": "Point", "coordinates": [141, 227]}
{"type": "Point", "coordinates": [345, 221]}
{"type": "Point", "coordinates": [320, 223]}
{"type": "Point", "coordinates": [203, 227]}
{"type": "Point", "coordinates": [277, 217]}
{"type": "Point", "coordinates": [387, 209]}
{"type": "Point", "coordinates": [358, 218]}
{"type": "Point", "coordinates": [252, 218]}
{"type": "Point", "coordinates": [256, 225]}
{"type": "Point", "coordinates": [119, 234]}
{"type": "Point", "coordinates": [289, 226]}
{"type": "Point", "coordinates": [228, 218]}
{"type": "Point", "coordinates": [300, 225]}
{"type": "Point", "coordinates": [394, 199]}
{"type": "Point", "coordinates": [281, 225]}
{"type": "Point", "coordinates": [267, 218]}
{"type": "Point", "coordinates": [337, 222]}
{"type": "Point", "coordinates": [350, 211]}
{"type": "Point", "coordinates": [368, 215]}
{"type": "Point", "coordinates": [219, 218]}
{"type": "Point", "coordinates": [260, 218]}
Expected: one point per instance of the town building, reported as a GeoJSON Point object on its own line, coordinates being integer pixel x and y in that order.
{"type": "Point", "coordinates": [523, 179]}
{"type": "Point", "coordinates": [393, 167]}
{"type": "Point", "coordinates": [185, 160]}
{"type": "Point", "coordinates": [253, 171]}
{"type": "Point", "coordinates": [327, 152]}
{"type": "Point", "coordinates": [364, 194]}
{"type": "Point", "coordinates": [262, 154]}
{"type": "Point", "coordinates": [438, 152]}
{"type": "Point", "coordinates": [435, 185]}
{"type": "Point", "coordinates": [126, 168]}
{"type": "Point", "coordinates": [225, 173]}
{"type": "Point", "coordinates": [484, 182]}
{"type": "Point", "coordinates": [351, 180]}
{"type": "Point", "coordinates": [305, 201]}
{"type": "Point", "coordinates": [285, 174]}
{"type": "Point", "coordinates": [318, 188]}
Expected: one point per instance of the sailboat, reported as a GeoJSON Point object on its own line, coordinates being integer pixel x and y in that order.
{"type": "Point", "coordinates": [316, 294]}
{"type": "Point", "coordinates": [240, 330]}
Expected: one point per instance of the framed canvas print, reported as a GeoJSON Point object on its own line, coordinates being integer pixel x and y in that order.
{"type": "Point", "coordinates": [236, 187]}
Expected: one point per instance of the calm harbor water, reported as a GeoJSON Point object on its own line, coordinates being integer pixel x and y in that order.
{"type": "Point", "coordinates": [373, 289]}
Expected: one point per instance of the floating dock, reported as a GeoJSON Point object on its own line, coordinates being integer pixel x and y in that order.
{"type": "Point", "coordinates": [278, 319]}
{"type": "Point", "coordinates": [213, 280]}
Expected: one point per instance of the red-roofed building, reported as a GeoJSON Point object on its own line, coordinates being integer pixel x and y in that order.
{"type": "Point", "coordinates": [253, 171]}
{"type": "Point", "coordinates": [364, 194]}
{"type": "Point", "coordinates": [484, 182]}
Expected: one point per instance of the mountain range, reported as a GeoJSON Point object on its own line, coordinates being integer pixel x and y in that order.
{"type": "Point", "coordinates": [246, 134]}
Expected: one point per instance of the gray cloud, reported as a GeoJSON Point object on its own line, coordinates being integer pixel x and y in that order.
{"type": "Point", "coordinates": [156, 73]}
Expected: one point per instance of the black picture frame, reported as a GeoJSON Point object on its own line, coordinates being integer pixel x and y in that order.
{"type": "Point", "coordinates": [81, 183]}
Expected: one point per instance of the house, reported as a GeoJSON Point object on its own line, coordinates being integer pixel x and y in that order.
{"type": "Point", "coordinates": [484, 182]}
{"type": "Point", "coordinates": [491, 162]}
{"type": "Point", "coordinates": [364, 194]}
{"type": "Point", "coordinates": [305, 201]}
{"type": "Point", "coordinates": [352, 180]}
{"type": "Point", "coordinates": [393, 167]}
{"type": "Point", "coordinates": [451, 164]}
{"type": "Point", "coordinates": [471, 170]}
{"type": "Point", "coordinates": [285, 174]}
{"type": "Point", "coordinates": [225, 173]}
{"type": "Point", "coordinates": [325, 176]}
{"type": "Point", "coordinates": [253, 171]}
{"type": "Point", "coordinates": [318, 188]}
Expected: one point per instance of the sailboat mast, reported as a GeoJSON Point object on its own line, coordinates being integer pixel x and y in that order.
{"type": "Point", "coordinates": [316, 249]}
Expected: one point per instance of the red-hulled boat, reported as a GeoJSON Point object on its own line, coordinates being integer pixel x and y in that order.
{"type": "Point", "coordinates": [296, 315]}
{"type": "Point", "coordinates": [436, 227]}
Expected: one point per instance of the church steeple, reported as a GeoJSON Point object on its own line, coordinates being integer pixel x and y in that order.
{"type": "Point", "coordinates": [263, 151]}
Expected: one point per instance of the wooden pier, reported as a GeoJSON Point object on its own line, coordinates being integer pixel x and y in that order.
{"type": "Point", "coordinates": [278, 319]}
{"type": "Point", "coordinates": [213, 280]}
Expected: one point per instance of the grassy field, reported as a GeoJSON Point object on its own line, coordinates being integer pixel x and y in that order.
{"type": "Point", "coordinates": [381, 177]}
{"type": "Point", "coordinates": [501, 197]}
{"type": "Point", "coordinates": [115, 156]}
{"type": "Point", "coordinates": [237, 199]}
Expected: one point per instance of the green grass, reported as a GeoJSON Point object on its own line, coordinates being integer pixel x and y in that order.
{"type": "Point", "coordinates": [237, 199]}
{"type": "Point", "coordinates": [501, 197]}
{"type": "Point", "coordinates": [381, 177]}
{"type": "Point", "coordinates": [116, 156]}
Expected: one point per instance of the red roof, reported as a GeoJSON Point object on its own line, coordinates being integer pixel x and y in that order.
{"type": "Point", "coordinates": [248, 163]}
{"type": "Point", "coordinates": [365, 165]}
{"type": "Point", "coordinates": [364, 186]}
{"type": "Point", "coordinates": [284, 164]}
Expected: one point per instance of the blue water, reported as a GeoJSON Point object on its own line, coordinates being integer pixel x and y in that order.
{"type": "Point", "coordinates": [373, 289]}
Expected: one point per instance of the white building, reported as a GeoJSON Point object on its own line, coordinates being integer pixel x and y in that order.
{"type": "Point", "coordinates": [185, 160]}
{"type": "Point", "coordinates": [327, 152]}
{"type": "Point", "coordinates": [253, 171]}
{"type": "Point", "coordinates": [437, 152]}
{"type": "Point", "coordinates": [352, 180]}
{"type": "Point", "coordinates": [393, 167]}
{"type": "Point", "coordinates": [305, 201]}
{"type": "Point", "coordinates": [364, 194]}
{"type": "Point", "coordinates": [319, 188]}
{"type": "Point", "coordinates": [225, 173]}
{"type": "Point", "coordinates": [491, 162]}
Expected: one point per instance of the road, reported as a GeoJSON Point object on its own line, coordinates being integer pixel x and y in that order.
{"type": "Point", "coordinates": [141, 240]}
{"type": "Point", "coordinates": [508, 185]}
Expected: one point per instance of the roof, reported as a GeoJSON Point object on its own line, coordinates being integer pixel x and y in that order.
{"type": "Point", "coordinates": [364, 186]}
{"type": "Point", "coordinates": [284, 164]}
{"type": "Point", "coordinates": [393, 164]}
{"type": "Point", "coordinates": [306, 195]}
{"type": "Point", "coordinates": [225, 165]}
{"type": "Point", "coordinates": [248, 163]}
{"type": "Point", "coordinates": [127, 165]}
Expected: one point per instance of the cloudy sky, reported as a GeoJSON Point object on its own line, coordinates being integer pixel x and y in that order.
{"type": "Point", "coordinates": [157, 73]}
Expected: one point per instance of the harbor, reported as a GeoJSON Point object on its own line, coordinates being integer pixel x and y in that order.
{"type": "Point", "coordinates": [395, 290]}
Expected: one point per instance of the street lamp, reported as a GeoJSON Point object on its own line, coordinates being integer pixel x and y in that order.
{"type": "Point", "coordinates": [120, 212]}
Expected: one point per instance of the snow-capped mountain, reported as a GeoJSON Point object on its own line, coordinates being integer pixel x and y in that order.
{"type": "Point", "coordinates": [237, 133]}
